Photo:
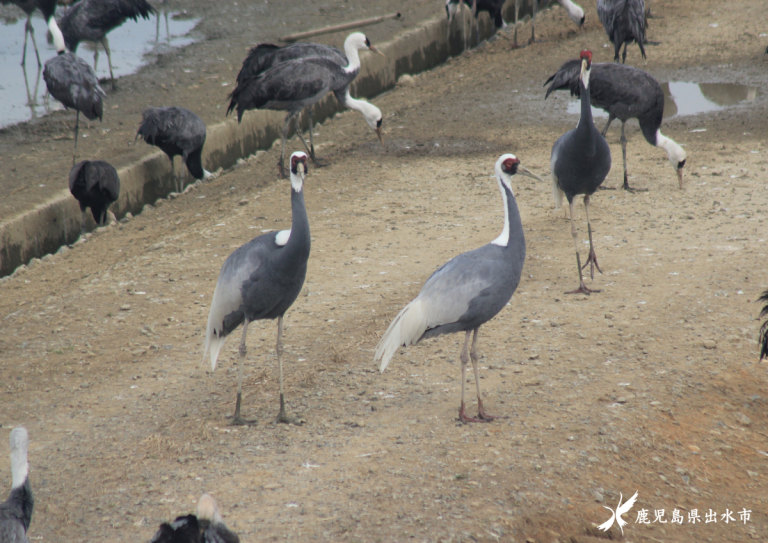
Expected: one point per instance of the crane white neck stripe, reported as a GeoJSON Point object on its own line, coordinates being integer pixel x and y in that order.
{"type": "Point", "coordinates": [503, 239]}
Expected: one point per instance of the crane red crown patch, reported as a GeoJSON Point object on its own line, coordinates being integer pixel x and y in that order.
{"type": "Point", "coordinates": [587, 55]}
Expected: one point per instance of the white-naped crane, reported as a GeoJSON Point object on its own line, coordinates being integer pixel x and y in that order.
{"type": "Point", "coordinates": [300, 83]}
{"type": "Point", "coordinates": [176, 131]}
{"type": "Point", "coordinates": [574, 11]}
{"type": "Point", "coordinates": [205, 527]}
{"type": "Point", "coordinates": [47, 8]}
{"type": "Point", "coordinates": [96, 185]}
{"type": "Point", "coordinates": [764, 328]}
{"type": "Point", "coordinates": [265, 55]}
{"type": "Point", "coordinates": [580, 161]}
{"type": "Point", "coordinates": [624, 93]}
{"type": "Point", "coordinates": [16, 511]}
{"type": "Point", "coordinates": [71, 81]}
{"type": "Point", "coordinates": [261, 280]}
{"type": "Point", "coordinates": [492, 7]}
{"type": "Point", "coordinates": [467, 291]}
{"type": "Point", "coordinates": [624, 22]}
{"type": "Point", "coordinates": [92, 20]}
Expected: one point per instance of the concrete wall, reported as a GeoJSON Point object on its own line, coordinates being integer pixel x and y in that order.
{"type": "Point", "coordinates": [42, 230]}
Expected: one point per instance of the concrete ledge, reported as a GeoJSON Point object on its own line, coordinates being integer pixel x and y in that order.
{"type": "Point", "coordinates": [42, 230]}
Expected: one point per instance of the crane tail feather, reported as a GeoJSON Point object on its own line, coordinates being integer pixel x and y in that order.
{"type": "Point", "coordinates": [407, 328]}
{"type": "Point", "coordinates": [213, 344]}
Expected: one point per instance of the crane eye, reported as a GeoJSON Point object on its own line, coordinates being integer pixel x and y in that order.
{"type": "Point", "coordinates": [510, 166]}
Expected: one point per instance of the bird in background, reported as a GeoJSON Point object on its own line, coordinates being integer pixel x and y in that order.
{"type": "Point", "coordinates": [16, 511]}
{"type": "Point", "coordinates": [176, 131]}
{"type": "Point", "coordinates": [94, 184]}
{"type": "Point", "coordinates": [624, 22]}
{"type": "Point", "coordinates": [265, 55]}
{"type": "Point", "coordinates": [467, 291]}
{"type": "Point", "coordinates": [205, 527]}
{"type": "Point", "coordinates": [580, 161]}
{"type": "Point", "coordinates": [763, 341]}
{"type": "Point", "coordinates": [261, 280]}
{"type": "Point", "coordinates": [47, 8]}
{"type": "Point", "coordinates": [92, 20]}
{"type": "Point", "coordinates": [294, 85]}
{"type": "Point", "coordinates": [625, 93]}
{"type": "Point", "coordinates": [574, 11]}
{"type": "Point", "coordinates": [71, 81]}
{"type": "Point", "coordinates": [616, 515]}
{"type": "Point", "coordinates": [492, 7]}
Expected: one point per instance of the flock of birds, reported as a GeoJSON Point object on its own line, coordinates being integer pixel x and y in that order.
{"type": "Point", "coordinates": [263, 278]}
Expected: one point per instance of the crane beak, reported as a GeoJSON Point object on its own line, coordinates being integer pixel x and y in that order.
{"type": "Point", "coordinates": [528, 173]}
{"type": "Point", "coordinates": [372, 48]}
{"type": "Point", "coordinates": [378, 133]}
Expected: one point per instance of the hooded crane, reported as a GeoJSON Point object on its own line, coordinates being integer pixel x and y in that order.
{"type": "Point", "coordinates": [265, 55]}
{"type": "Point", "coordinates": [92, 20]}
{"type": "Point", "coordinates": [261, 280]}
{"type": "Point", "coordinates": [297, 84]}
{"type": "Point", "coordinates": [493, 7]}
{"type": "Point", "coordinates": [466, 292]}
{"type": "Point", "coordinates": [73, 83]}
{"type": "Point", "coordinates": [206, 527]}
{"type": "Point", "coordinates": [580, 161]}
{"type": "Point", "coordinates": [94, 184]}
{"type": "Point", "coordinates": [16, 511]}
{"type": "Point", "coordinates": [176, 131]}
{"type": "Point", "coordinates": [624, 22]}
{"type": "Point", "coordinates": [574, 11]}
{"type": "Point", "coordinates": [47, 7]}
{"type": "Point", "coordinates": [764, 327]}
{"type": "Point", "coordinates": [625, 93]}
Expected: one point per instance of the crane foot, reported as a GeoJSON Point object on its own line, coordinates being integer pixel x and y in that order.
{"type": "Point", "coordinates": [592, 263]}
{"type": "Point", "coordinates": [463, 417]}
{"type": "Point", "coordinates": [632, 189]}
{"type": "Point", "coordinates": [582, 290]}
{"type": "Point", "coordinates": [483, 415]}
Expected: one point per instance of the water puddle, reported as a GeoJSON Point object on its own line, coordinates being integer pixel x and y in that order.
{"type": "Point", "coordinates": [681, 98]}
{"type": "Point", "coordinates": [132, 44]}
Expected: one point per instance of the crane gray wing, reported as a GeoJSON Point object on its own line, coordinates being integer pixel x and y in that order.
{"type": "Point", "coordinates": [287, 84]}
{"type": "Point", "coordinates": [606, 12]}
{"type": "Point", "coordinates": [73, 83]}
{"type": "Point", "coordinates": [567, 77]}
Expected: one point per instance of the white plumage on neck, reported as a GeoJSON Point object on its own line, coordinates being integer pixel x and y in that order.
{"type": "Point", "coordinates": [504, 180]}
{"type": "Point", "coordinates": [353, 42]}
{"type": "Point", "coordinates": [585, 76]}
{"type": "Point", "coordinates": [297, 180]}
{"type": "Point", "coordinates": [19, 465]}
{"type": "Point", "coordinates": [370, 113]}
{"type": "Point", "coordinates": [575, 13]}
{"type": "Point", "coordinates": [675, 153]}
{"type": "Point", "coordinates": [282, 237]}
{"type": "Point", "coordinates": [58, 37]}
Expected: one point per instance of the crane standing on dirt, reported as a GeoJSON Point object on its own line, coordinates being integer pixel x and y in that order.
{"type": "Point", "coordinates": [624, 22]}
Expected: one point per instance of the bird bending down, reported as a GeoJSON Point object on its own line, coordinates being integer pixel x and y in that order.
{"type": "Point", "coordinates": [580, 161]}
{"type": "Point", "coordinates": [492, 7]}
{"type": "Point", "coordinates": [764, 328]}
{"type": "Point", "coordinates": [265, 55]}
{"type": "Point", "coordinates": [16, 511]}
{"type": "Point", "coordinates": [625, 93]}
{"type": "Point", "coordinates": [574, 11]}
{"type": "Point", "coordinates": [205, 527]}
{"type": "Point", "coordinates": [73, 83]}
{"type": "Point", "coordinates": [92, 20]}
{"type": "Point", "coordinates": [47, 7]}
{"type": "Point", "coordinates": [94, 184]}
{"type": "Point", "coordinates": [466, 292]}
{"type": "Point", "coordinates": [261, 280]}
{"type": "Point", "coordinates": [296, 84]}
{"type": "Point", "coordinates": [176, 131]}
{"type": "Point", "coordinates": [624, 22]}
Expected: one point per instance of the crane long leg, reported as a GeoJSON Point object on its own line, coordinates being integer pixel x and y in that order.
{"type": "Point", "coordinates": [515, 45]}
{"type": "Point", "coordinates": [624, 56]}
{"type": "Point", "coordinates": [592, 260]}
{"type": "Point", "coordinates": [28, 28]}
{"type": "Point", "coordinates": [109, 61]}
{"type": "Point", "coordinates": [77, 128]}
{"type": "Point", "coordinates": [481, 414]}
{"type": "Point", "coordinates": [477, 23]}
{"type": "Point", "coordinates": [624, 156]}
{"type": "Point", "coordinates": [464, 359]}
{"type": "Point", "coordinates": [236, 419]}
{"type": "Point", "coordinates": [533, 17]}
{"type": "Point", "coordinates": [607, 125]}
{"type": "Point", "coordinates": [582, 287]}
{"type": "Point", "coordinates": [281, 417]}
{"type": "Point", "coordinates": [287, 123]}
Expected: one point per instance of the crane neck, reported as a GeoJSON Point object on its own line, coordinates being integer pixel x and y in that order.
{"type": "Point", "coordinates": [58, 37]}
{"type": "Point", "coordinates": [513, 225]}
{"type": "Point", "coordinates": [299, 237]}
{"type": "Point", "coordinates": [353, 56]}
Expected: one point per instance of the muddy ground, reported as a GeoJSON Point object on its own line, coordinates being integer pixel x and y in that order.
{"type": "Point", "coordinates": [652, 385]}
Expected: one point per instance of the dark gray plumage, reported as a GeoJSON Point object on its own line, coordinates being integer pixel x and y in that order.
{"type": "Point", "coordinates": [206, 527]}
{"type": "Point", "coordinates": [16, 511]}
{"type": "Point", "coordinates": [625, 93]}
{"type": "Point", "coordinates": [176, 131]}
{"type": "Point", "coordinates": [261, 280]}
{"type": "Point", "coordinates": [624, 22]}
{"type": "Point", "coordinates": [580, 161]}
{"type": "Point", "coordinates": [92, 20]}
{"type": "Point", "coordinates": [467, 291]}
{"type": "Point", "coordinates": [294, 85]}
{"type": "Point", "coordinates": [94, 184]}
{"type": "Point", "coordinates": [73, 83]}
{"type": "Point", "coordinates": [46, 7]}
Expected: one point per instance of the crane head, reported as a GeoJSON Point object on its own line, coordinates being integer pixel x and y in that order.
{"type": "Point", "coordinates": [299, 159]}
{"type": "Point", "coordinates": [586, 55]}
{"type": "Point", "coordinates": [509, 165]}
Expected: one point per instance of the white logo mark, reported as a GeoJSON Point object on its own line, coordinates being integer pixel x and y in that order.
{"type": "Point", "coordinates": [616, 515]}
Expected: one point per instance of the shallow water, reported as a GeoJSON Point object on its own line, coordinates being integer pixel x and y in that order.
{"type": "Point", "coordinates": [132, 45]}
{"type": "Point", "coordinates": [683, 98]}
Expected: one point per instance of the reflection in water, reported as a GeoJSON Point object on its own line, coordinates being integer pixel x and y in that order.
{"type": "Point", "coordinates": [681, 98]}
{"type": "Point", "coordinates": [131, 43]}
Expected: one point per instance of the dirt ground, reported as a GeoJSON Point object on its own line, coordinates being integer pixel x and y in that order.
{"type": "Point", "coordinates": [652, 385]}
